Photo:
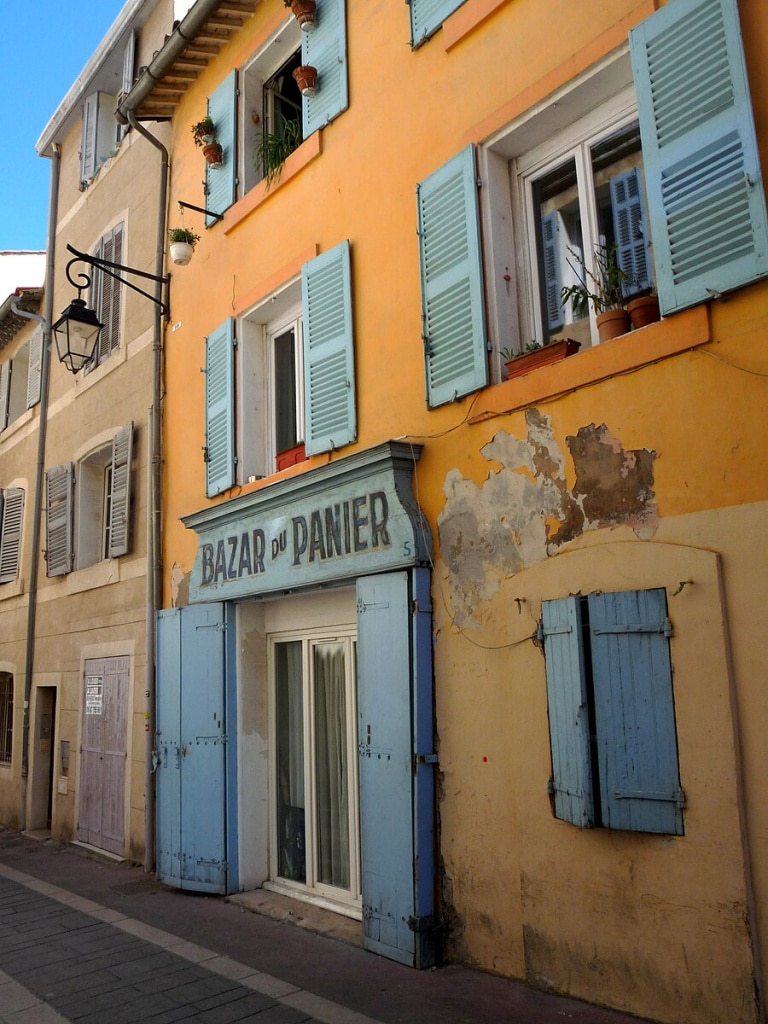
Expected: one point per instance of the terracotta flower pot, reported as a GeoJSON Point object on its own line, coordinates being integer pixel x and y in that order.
{"type": "Point", "coordinates": [612, 324]}
{"type": "Point", "coordinates": [306, 79]}
{"type": "Point", "coordinates": [304, 13]}
{"type": "Point", "coordinates": [644, 311]}
{"type": "Point", "coordinates": [544, 356]}
{"type": "Point", "coordinates": [290, 457]}
{"type": "Point", "coordinates": [213, 154]}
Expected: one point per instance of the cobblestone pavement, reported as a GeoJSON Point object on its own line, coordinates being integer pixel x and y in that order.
{"type": "Point", "coordinates": [98, 943]}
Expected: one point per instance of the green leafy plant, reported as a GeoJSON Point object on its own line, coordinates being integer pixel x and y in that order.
{"type": "Point", "coordinates": [508, 355]}
{"type": "Point", "coordinates": [604, 289]}
{"type": "Point", "coordinates": [203, 128]}
{"type": "Point", "coordinates": [273, 148]}
{"type": "Point", "coordinates": [183, 235]}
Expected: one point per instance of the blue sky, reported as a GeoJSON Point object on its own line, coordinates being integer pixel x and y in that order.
{"type": "Point", "coordinates": [43, 48]}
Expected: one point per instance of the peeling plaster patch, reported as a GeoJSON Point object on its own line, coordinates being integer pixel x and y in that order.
{"type": "Point", "coordinates": [179, 586]}
{"type": "Point", "coordinates": [525, 511]}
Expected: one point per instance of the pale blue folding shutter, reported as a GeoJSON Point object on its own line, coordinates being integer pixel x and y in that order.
{"type": "Point", "coordinates": [634, 712]}
{"type": "Point", "coordinates": [453, 305]}
{"type": "Point", "coordinates": [326, 50]}
{"type": "Point", "coordinates": [631, 230]}
{"type": "Point", "coordinates": [428, 15]}
{"type": "Point", "coordinates": [220, 181]}
{"type": "Point", "coordinates": [329, 368]}
{"type": "Point", "coordinates": [120, 506]}
{"type": "Point", "coordinates": [59, 493]}
{"type": "Point", "coordinates": [568, 711]}
{"type": "Point", "coordinates": [550, 239]}
{"type": "Point", "coordinates": [35, 368]}
{"type": "Point", "coordinates": [11, 517]}
{"type": "Point", "coordinates": [702, 169]}
{"type": "Point", "coordinates": [220, 408]}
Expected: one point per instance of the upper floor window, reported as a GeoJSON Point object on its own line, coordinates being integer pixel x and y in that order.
{"type": "Point", "coordinates": [259, 114]}
{"type": "Point", "coordinates": [11, 522]}
{"type": "Point", "coordinates": [20, 380]}
{"type": "Point", "coordinates": [100, 132]}
{"type": "Point", "coordinates": [428, 15]}
{"type": "Point", "coordinates": [107, 294]}
{"type": "Point", "coordinates": [88, 507]}
{"type": "Point", "coordinates": [293, 383]}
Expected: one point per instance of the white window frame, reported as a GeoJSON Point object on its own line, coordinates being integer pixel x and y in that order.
{"type": "Point", "coordinates": [592, 105]}
{"type": "Point", "coordinates": [256, 400]}
{"type": "Point", "coordinates": [314, 891]}
{"type": "Point", "coordinates": [92, 498]}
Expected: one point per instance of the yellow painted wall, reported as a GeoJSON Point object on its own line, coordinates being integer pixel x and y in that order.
{"type": "Point", "coordinates": [663, 927]}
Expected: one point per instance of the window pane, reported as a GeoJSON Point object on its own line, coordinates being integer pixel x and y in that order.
{"type": "Point", "coordinates": [290, 761]}
{"type": "Point", "coordinates": [6, 717]}
{"type": "Point", "coordinates": [331, 768]}
{"type": "Point", "coordinates": [286, 435]}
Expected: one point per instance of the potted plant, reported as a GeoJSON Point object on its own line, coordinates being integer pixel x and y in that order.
{"type": "Point", "coordinates": [644, 309]}
{"type": "Point", "coordinates": [306, 79]}
{"type": "Point", "coordinates": [291, 456]}
{"type": "Point", "coordinates": [274, 147]}
{"type": "Point", "coordinates": [536, 354]}
{"type": "Point", "coordinates": [182, 245]}
{"type": "Point", "coordinates": [303, 12]}
{"type": "Point", "coordinates": [203, 131]}
{"type": "Point", "coordinates": [604, 290]}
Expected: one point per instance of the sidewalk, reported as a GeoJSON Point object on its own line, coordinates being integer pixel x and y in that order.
{"type": "Point", "coordinates": [102, 943]}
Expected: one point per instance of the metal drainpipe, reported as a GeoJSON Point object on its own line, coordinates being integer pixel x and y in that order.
{"type": "Point", "coordinates": [154, 552]}
{"type": "Point", "coordinates": [46, 320]}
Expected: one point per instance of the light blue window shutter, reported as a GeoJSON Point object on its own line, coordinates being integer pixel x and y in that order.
{"type": "Point", "coordinates": [59, 493]}
{"type": "Point", "coordinates": [120, 506]}
{"type": "Point", "coordinates": [453, 307]}
{"type": "Point", "coordinates": [329, 367]}
{"type": "Point", "coordinates": [35, 368]}
{"type": "Point", "coordinates": [220, 181]}
{"type": "Point", "coordinates": [220, 408]}
{"type": "Point", "coordinates": [326, 50]}
{"type": "Point", "coordinates": [634, 712]}
{"type": "Point", "coordinates": [630, 228]}
{"type": "Point", "coordinates": [568, 711]}
{"type": "Point", "coordinates": [5, 391]}
{"type": "Point", "coordinates": [553, 285]}
{"type": "Point", "coordinates": [428, 15]}
{"type": "Point", "coordinates": [11, 517]}
{"type": "Point", "coordinates": [702, 170]}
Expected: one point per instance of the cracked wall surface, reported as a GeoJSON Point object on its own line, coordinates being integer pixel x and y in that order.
{"type": "Point", "coordinates": [525, 511]}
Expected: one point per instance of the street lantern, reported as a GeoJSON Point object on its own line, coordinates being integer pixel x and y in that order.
{"type": "Point", "coordinates": [76, 332]}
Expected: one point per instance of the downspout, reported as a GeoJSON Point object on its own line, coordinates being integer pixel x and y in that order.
{"type": "Point", "coordinates": [154, 552]}
{"type": "Point", "coordinates": [46, 321]}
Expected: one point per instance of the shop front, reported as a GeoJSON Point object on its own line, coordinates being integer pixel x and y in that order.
{"type": "Point", "coordinates": [295, 739]}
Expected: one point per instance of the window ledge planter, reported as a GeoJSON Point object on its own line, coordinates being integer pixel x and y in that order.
{"type": "Point", "coordinates": [643, 311]}
{"type": "Point", "coordinates": [291, 457]}
{"type": "Point", "coordinates": [544, 356]}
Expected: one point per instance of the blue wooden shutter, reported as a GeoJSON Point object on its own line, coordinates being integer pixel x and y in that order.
{"type": "Point", "coordinates": [220, 181]}
{"type": "Point", "coordinates": [395, 734]}
{"type": "Point", "coordinates": [553, 285]}
{"type": "Point", "coordinates": [11, 519]}
{"type": "Point", "coordinates": [196, 752]}
{"type": "Point", "coordinates": [326, 50]}
{"type": "Point", "coordinates": [702, 169]}
{"type": "Point", "coordinates": [120, 505]}
{"type": "Point", "coordinates": [220, 408]}
{"type": "Point", "coordinates": [453, 305]}
{"type": "Point", "coordinates": [631, 230]}
{"type": "Point", "coordinates": [634, 712]}
{"type": "Point", "coordinates": [428, 15]}
{"type": "Point", "coordinates": [35, 368]}
{"type": "Point", "coordinates": [568, 711]}
{"type": "Point", "coordinates": [329, 368]}
{"type": "Point", "coordinates": [59, 493]}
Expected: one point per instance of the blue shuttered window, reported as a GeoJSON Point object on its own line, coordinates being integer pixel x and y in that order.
{"type": "Point", "coordinates": [329, 369]}
{"type": "Point", "coordinates": [220, 408]}
{"type": "Point", "coordinates": [550, 241]}
{"type": "Point", "coordinates": [220, 181]}
{"type": "Point", "coordinates": [326, 50]}
{"type": "Point", "coordinates": [630, 227]}
{"type": "Point", "coordinates": [453, 308]}
{"type": "Point", "coordinates": [428, 15]}
{"type": "Point", "coordinates": [702, 169]}
{"type": "Point", "coordinates": [611, 712]}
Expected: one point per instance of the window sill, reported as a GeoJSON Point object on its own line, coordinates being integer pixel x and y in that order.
{"type": "Point", "coordinates": [94, 576]}
{"type": "Point", "coordinates": [308, 151]}
{"type": "Point", "coordinates": [15, 588]}
{"type": "Point", "coordinates": [668, 337]}
{"type": "Point", "coordinates": [469, 16]}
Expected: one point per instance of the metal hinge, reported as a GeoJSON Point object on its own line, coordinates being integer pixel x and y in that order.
{"type": "Point", "coordinates": [422, 924]}
{"type": "Point", "coordinates": [424, 759]}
